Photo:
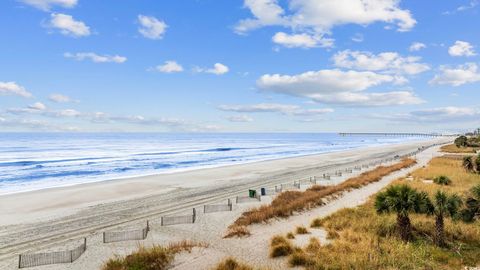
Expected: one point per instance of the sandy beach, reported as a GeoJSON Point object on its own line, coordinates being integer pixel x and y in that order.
{"type": "Point", "coordinates": [50, 219]}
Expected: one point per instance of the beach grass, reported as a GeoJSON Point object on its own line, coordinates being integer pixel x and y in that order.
{"type": "Point", "coordinates": [232, 264]}
{"type": "Point", "coordinates": [289, 202]}
{"type": "Point", "coordinates": [152, 258]}
{"type": "Point", "coordinates": [452, 148]}
{"type": "Point", "coordinates": [362, 239]}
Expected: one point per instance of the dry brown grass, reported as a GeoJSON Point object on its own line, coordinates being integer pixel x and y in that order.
{"type": "Point", "coordinates": [231, 264]}
{"type": "Point", "coordinates": [289, 202]}
{"type": "Point", "coordinates": [362, 239]}
{"type": "Point", "coordinates": [280, 246]}
{"type": "Point", "coordinates": [237, 231]}
{"type": "Point", "coordinates": [153, 258]}
{"type": "Point", "coordinates": [452, 148]}
{"type": "Point", "coordinates": [301, 230]}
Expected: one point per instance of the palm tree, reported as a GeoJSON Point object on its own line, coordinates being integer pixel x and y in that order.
{"type": "Point", "coordinates": [472, 205]}
{"type": "Point", "coordinates": [443, 205]}
{"type": "Point", "coordinates": [477, 164]}
{"type": "Point", "coordinates": [468, 164]}
{"type": "Point", "coordinates": [402, 200]}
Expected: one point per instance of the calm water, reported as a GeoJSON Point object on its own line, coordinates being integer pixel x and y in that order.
{"type": "Point", "coordinates": [31, 161]}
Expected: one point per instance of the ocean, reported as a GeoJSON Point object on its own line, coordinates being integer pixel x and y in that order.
{"type": "Point", "coordinates": [33, 161]}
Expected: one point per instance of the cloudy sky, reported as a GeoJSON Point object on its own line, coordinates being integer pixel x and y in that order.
{"type": "Point", "coordinates": [239, 66]}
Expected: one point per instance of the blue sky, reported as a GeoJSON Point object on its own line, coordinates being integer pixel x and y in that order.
{"type": "Point", "coordinates": [239, 66]}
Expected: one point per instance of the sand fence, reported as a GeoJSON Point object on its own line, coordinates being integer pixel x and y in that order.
{"type": "Point", "coordinates": [185, 219]}
{"type": "Point", "coordinates": [211, 208]}
{"type": "Point", "coordinates": [56, 257]}
{"type": "Point", "coordinates": [246, 199]}
{"type": "Point", "coordinates": [118, 236]}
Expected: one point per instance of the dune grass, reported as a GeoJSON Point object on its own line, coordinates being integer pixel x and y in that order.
{"type": "Point", "coordinates": [231, 264]}
{"type": "Point", "coordinates": [289, 202]}
{"type": "Point", "coordinates": [153, 258]}
{"type": "Point", "coordinates": [452, 148]}
{"type": "Point", "coordinates": [301, 230]}
{"type": "Point", "coordinates": [280, 246]}
{"type": "Point", "coordinates": [362, 239]}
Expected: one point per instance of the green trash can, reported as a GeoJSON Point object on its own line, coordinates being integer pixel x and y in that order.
{"type": "Point", "coordinates": [252, 193]}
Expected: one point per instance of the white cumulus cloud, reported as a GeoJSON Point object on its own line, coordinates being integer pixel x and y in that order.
{"type": "Point", "coordinates": [338, 87]}
{"type": "Point", "coordinates": [456, 76]}
{"type": "Point", "coordinates": [68, 26]}
{"type": "Point", "coordinates": [240, 118]}
{"type": "Point", "coordinates": [38, 106]}
{"type": "Point", "coordinates": [59, 98]}
{"type": "Point", "coordinates": [417, 46]}
{"type": "Point", "coordinates": [301, 40]}
{"type": "Point", "coordinates": [320, 16]}
{"type": "Point", "coordinates": [46, 5]}
{"type": "Point", "coordinates": [169, 67]}
{"type": "Point", "coordinates": [12, 88]}
{"type": "Point", "coordinates": [81, 56]}
{"type": "Point", "coordinates": [151, 27]}
{"type": "Point", "coordinates": [386, 61]}
{"type": "Point", "coordinates": [218, 69]}
{"type": "Point", "coordinates": [461, 48]}
{"type": "Point", "coordinates": [286, 109]}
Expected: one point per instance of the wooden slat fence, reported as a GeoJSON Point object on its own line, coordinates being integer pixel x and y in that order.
{"type": "Point", "coordinates": [56, 257]}
{"type": "Point", "coordinates": [118, 236]}
{"type": "Point", "coordinates": [210, 208]}
{"type": "Point", "coordinates": [185, 219]}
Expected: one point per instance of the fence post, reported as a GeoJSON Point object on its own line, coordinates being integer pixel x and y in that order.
{"type": "Point", "coordinates": [84, 244]}
{"type": "Point", "coordinates": [161, 221]}
{"type": "Point", "coordinates": [71, 256]}
{"type": "Point", "coordinates": [230, 204]}
{"type": "Point", "coordinates": [103, 237]}
{"type": "Point", "coordinates": [19, 261]}
{"type": "Point", "coordinates": [148, 226]}
{"type": "Point", "coordinates": [194, 215]}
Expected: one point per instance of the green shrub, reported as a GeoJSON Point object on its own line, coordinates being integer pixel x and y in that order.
{"type": "Point", "coordinates": [442, 180]}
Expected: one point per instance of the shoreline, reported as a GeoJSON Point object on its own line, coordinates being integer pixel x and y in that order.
{"type": "Point", "coordinates": [206, 167]}
{"type": "Point", "coordinates": [32, 205]}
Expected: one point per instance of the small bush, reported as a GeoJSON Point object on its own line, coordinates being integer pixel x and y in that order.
{"type": "Point", "coordinates": [316, 223]}
{"type": "Point", "coordinates": [231, 264]}
{"type": "Point", "coordinates": [290, 235]}
{"type": "Point", "coordinates": [301, 230]}
{"type": "Point", "coordinates": [155, 258]}
{"type": "Point", "coordinates": [442, 180]}
{"type": "Point", "coordinates": [237, 231]}
{"type": "Point", "coordinates": [313, 245]}
{"type": "Point", "coordinates": [281, 250]}
{"type": "Point", "coordinates": [298, 258]}
{"type": "Point", "coordinates": [277, 240]}
{"type": "Point", "coordinates": [279, 246]}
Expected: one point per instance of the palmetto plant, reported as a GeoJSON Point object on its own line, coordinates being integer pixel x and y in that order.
{"type": "Point", "coordinates": [443, 205]}
{"type": "Point", "coordinates": [477, 164]}
{"type": "Point", "coordinates": [468, 164]}
{"type": "Point", "coordinates": [402, 200]}
{"type": "Point", "coordinates": [472, 205]}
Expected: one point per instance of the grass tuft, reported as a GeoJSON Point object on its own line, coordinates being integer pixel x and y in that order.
{"type": "Point", "coordinates": [301, 230]}
{"type": "Point", "coordinates": [280, 246]}
{"type": "Point", "coordinates": [237, 231]}
{"type": "Point", "coordinates": [442, 180]}
{"type": "Point", "coordinates": [231, 264]}
{"type": "Point", "coordinates": [153, 258]}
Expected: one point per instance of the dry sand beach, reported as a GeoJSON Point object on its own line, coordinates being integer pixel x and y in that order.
{"type": "Point", "coordinates": [53, 219]}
